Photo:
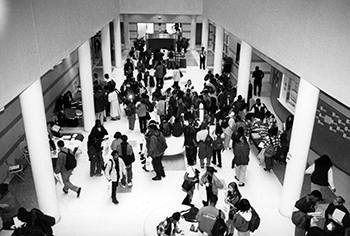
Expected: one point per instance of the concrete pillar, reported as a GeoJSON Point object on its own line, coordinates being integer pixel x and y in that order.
{"type": "Point", "coordinates": [205, 33]}
{"type": "Point", "coordinates": [117, 42]}
{"type": "Point", "coordinates": [193, 33]}
{"type": "Point", "coordinates": [106, 50]}
{"type": "Point", "coordinates": [303, 125]}
{"type": "Point", "coordinates": [244, 70]}
{"type": "Point", "coordinates": [86, 86]}
{"type": "Point", "coordinates": [34, 119]}
{"type": "Point", "coordinates": [219, 47]}
{"type": "Point", "coordinates": [126, 32]}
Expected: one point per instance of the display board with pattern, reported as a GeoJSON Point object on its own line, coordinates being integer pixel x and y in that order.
{"type": "Point", "coordinates": [331, 134]}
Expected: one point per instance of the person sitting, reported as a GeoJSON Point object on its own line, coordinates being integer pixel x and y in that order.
{"type": "Point", "coordinates": [9, 206]}
{"type": "Point", "coordinates": [335, 226]}
{"type": "Point", "coordinates": [35, 221]}
{"type": "Point", "coordinates": [170, 225]}
{"type": "Point", "coordinates": [177, 127]}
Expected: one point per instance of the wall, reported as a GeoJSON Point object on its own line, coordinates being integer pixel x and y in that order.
{"type": "Point", "coordinates": [309, 37]}
{"type": "Point", "coordinates": [35, 35]}
{"type": "Point", "coordinates": [55, 82]}
{"type": "Point", "coordinates": [160, 7]}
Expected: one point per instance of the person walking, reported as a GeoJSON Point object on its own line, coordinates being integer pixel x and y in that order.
{"type": "Point", "coordinates": [202, 56]}
{"type": "Point", "coordinates": [156, 146]}
{"type": "Point", "coordinates": [269, 147]}
{"type": "Point", "coordinates": [65, 173]}
{"type": "Point", "coordinates": [128, 156]}
{"type": "Point", "coordinates": [241, 159]}
{"type": "Point", "coordinates": [115, 169]}
{"type": "Point", "coordinates": [258, 75]}
{"type": "Point", "coordinates": [322, 176]}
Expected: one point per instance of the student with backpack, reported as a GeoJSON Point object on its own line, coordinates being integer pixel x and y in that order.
{"type": "Point", "coordinates": [205, 145]}
{"type": "Point", "coordinates": [218, 147]}
{"type": "Point", "coordinates": [269, 147]}
{"type": "Point", "coordinates": [156, 146]}
{"type": "Point", "coordinates": [65, 165]}
{"type": "Point", "coordinates": [246, 219]}
{"type": "Point", "coordinates": [114, 171]}
{"type": "Point", "coordinates": [128, 156]}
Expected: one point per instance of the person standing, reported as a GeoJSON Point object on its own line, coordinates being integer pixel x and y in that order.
{"type": "Point", "coordinates": [218, 147]}
{"type": "Point", "coordinates": [241, 159]}
{"type": "Point", "coordinates": [100, 102]}
{"type": "Point", "coordinates": [211, 182]}
{"type": "Point", "coordinates": [177, 74]}
{"type": "Point", "coordinates": [190, 143]}
{"type": "Point", "coordinates": [95, 156]}
{"type": "Point", "coordinates": [141, 111]}
{"type": "Point", "coordinates": [159, 73]}
{"type": "Point", "coordinates": [130, 112]}
{"type": "Point", "coordinates": [192, 176]}
{"type": "Point", "coordinates": [258, 75]}
{"type": "Point", "coordinates": [115, 169]}
{"type": "Point", "coordinates": [304, 206]}
{"type": "Point", "coordinates": [270, 144]}
{"type": "Point", "coordinates": [61, 168]}
{"type": "Point", "coordinates": [242, 218]}
{"type": "Point", "coordinates": [233, 196]}
{"type": "Point", "coordinates": [335, 226]}
{"type": "Point", "coordinates": [114, 104]}
{"type": "Point", "coordinates": [202, 56]}
{"type": "Point", "coordinates": [322, 176]}
{"type": "Point", "coordinates": [128, 156]}
{"type": "Point", "coordinates": [156, 146]}
{"type": "Point", "coordinates": [205, 148]}
{"type": "Point", "coordinates": [206, 216]}
{"type": "Point", "coordinates": [228, 131]}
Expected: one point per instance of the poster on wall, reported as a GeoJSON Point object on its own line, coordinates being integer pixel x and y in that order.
{"type": "Point", "coordinates": [331, 134]}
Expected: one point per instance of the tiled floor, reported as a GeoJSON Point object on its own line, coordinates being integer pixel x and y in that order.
{"type": "Point", "coordinates": [94, 213]}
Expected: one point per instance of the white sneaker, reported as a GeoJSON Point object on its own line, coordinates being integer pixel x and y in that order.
{"type": "Point", "coordinates": [130, 184]}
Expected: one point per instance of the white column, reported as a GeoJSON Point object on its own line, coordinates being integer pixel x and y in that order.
{"type": "Point", "coordinates": [193, 33]}
{"type": "Point", "coordinates": [219, 47]}
{"type": "Point", "coordinates": [126, 32]}
{"type": "Point", "coordinates": [34, 119]}
{"type": "Point", "coordinates": [205, 32]}
{"type": "Point", "coordinates": [117, 42]}
{"type": "Point", "coordinates": [106, 50]}
{"type": "Point", "coordinates": [303, 125]}
{"type": "Point", "coordinates": [244, 70]}
{"type": "Point", "coordinates": [86, 85]}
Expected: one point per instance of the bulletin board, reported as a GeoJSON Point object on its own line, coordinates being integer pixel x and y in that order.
{"type": "Point", "coordinates": [331, 134]}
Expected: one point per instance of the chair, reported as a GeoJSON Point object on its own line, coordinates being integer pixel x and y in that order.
{"type": "Point", "coordinates": [24, 149]}
{"type": "Point", "coordinates": [15, 169]}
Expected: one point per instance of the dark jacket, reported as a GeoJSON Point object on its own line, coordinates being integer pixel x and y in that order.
{"type": "Point", "coordinates": [100, 101]}
{"type": "Point", "coordinates": [152, 143]}
{"type": "Point", "coordinates": [241, 154]}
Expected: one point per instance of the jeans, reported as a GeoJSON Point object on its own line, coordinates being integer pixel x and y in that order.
{"type": "Point", "coordinates": [240, 173]}
{"type": "Point", "coordinates": [143, 124]}
{"type": "Point", "coordinates": [66, 182]}
{"type": "Point", "coordinates": [158, 166]}
{"type": "Point", "coordinates": [129, 173]}
{"type": "Point", "coordinates": [114, 189]}
{"type": "Point", "coordinates": [191, 155]}
{"type": "Point", "coordinates": [218, 153]}
{"type": "Point", "coordinates": [131, 120]}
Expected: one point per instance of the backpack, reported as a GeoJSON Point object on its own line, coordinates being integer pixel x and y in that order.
{"type": "Point", "coordinates": [71, 162]}
{"type": "Point", "coordinates": [208, 140]}
{"type": "Point", "coordinates": [218, 143]}
{"type": "Point", "coordinates": [161, 143]}
{"type": "Point", "coordinates": [190, 216]}
{"type": "Point", "coordinates": [254, 221]}
{"type": "Point", "coordinates": [220, 227]}
{"type": "Point", "coordinates": [128, 159]}
{"type": "Point", "coordinates": [270, 150]}
{"type": "Point", "coordinates": [225, 122]}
